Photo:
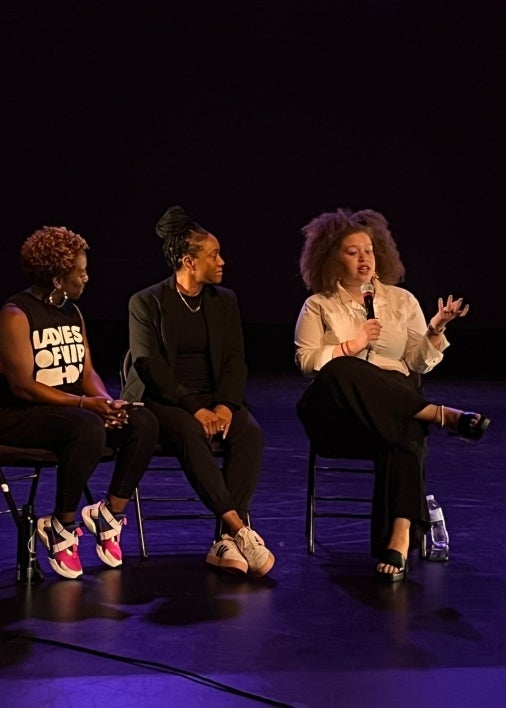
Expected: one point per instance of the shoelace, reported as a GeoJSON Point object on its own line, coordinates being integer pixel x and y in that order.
{"type": "Point", "coordinates": [250, 542]}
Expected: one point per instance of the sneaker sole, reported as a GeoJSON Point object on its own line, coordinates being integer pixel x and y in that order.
{"type": "Point", "coordinates": [89, 522]}
{"type": "Point", "coordinates": [233, 567]}
{"type": "Point", "coordinates": [64, 572]}
{"type": "Point", "coordinates": [107, 558]}
{"type": "Point", "coordinates": [264, 569]}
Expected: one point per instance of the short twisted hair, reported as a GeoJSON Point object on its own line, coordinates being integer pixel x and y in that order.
{"type": "Point", "coordinates": [319, 266]}
{"type": "Point", "coordinates": [181, 236]}
{"type": "Point", "coordinates": [50, 252]}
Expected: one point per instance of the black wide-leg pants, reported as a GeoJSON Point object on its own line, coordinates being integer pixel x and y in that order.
{"type": "Point", "coordinates": [352, 404]}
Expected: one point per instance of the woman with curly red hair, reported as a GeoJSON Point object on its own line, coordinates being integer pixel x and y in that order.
{"type": "Point", "coordinates": [51, 397]}
{"type": "Point", "coordinates": [365, 362]}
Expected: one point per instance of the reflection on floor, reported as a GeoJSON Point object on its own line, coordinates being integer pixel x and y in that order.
{"type": "Point", "coordinates": [319, 631]}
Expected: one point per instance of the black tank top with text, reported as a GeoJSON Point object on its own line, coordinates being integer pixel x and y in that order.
{"type": "Point", "coordinates": [58, 346]}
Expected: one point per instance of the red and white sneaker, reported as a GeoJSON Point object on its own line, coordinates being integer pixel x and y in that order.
{"type": "Point", "coordinates": [61, 542]}
{"type": "Point", "coordinates": [106, 528]}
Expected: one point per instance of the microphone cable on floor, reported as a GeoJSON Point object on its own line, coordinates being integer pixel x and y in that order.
{"type": "Point", "coordinates": [157, 666]}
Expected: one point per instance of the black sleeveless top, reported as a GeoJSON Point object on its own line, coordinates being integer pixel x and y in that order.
{"type": "Point", "coordinates": [58, 346]}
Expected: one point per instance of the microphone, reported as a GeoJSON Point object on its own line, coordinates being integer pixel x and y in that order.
{"type": "Point", "coordinates": [367, 291]}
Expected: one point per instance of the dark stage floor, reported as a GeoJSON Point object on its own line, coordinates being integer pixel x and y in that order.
{"type": "Point", "coordinates": [319, 631]}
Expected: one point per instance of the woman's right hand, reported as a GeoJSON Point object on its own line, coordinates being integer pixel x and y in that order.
{"type": "Point", "coordinates": [369, 331]}
{"type": "Point", "coordinates": [209, 420]}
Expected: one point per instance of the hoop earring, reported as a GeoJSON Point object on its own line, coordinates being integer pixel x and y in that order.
{"type": "Point", "coordinates": [51, 298]}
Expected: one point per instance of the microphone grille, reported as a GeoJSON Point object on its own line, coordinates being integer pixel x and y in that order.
{"type": "Point", "coordinates": [367, 289]}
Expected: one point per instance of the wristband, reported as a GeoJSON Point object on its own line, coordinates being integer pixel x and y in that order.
{"type": "Point", "coordinates": [435, 331]}
{"type": "Point", "coordinates": [346, 349]}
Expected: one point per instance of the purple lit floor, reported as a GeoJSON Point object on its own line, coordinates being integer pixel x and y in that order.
{"type": "Point", "coordinates": [319, 631]}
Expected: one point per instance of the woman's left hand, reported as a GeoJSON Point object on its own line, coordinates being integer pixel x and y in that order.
{"type": "Point", "coordinates": [225, 418]}
{"type": "Point", "coordinates": [118, 415]}
{"type": "Point", "coordinates": [447, 313]}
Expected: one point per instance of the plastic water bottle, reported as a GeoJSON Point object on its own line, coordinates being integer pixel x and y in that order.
{"type": "Point", "coordinates": [27, 570]}
{"type": "Point", "coordinates": [439, 542]}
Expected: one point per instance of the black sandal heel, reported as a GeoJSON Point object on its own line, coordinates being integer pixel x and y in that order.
{"type": "Point", "coordinates": [472, 425]}
{"type": "Point", "coordinates": [392, 557]}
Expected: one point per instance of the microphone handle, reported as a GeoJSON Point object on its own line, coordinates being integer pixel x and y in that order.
{"type": "Point", "coordinates": [369, 315]}
{"type": "Point", "coordinates": [369, 307]}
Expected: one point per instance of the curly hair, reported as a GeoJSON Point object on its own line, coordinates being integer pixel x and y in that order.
{"type": "Point", "coordinates": [181, 236]}
{"type": "Point", "coordinates": [50, 252]}
{"type": "Point", "coordinates": [320, 268]}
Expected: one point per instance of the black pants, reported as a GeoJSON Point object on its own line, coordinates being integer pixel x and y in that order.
{"type": "Point", "coordinates": [220, 489]}
{"type": "Point", "coordinates": [78, 437]}
{"type": "Point", "coordinates": [372, 409]}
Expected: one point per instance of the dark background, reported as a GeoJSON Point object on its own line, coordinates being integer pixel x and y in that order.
{"type": "Point", "coordinates": [256, 117]}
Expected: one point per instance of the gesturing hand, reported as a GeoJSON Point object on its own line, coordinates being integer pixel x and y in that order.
{"type": "Point", "coordinates": [447, 313]}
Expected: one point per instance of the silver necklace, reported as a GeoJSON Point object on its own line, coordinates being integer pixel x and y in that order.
{"type": "Point", "coordinates": [192, 309]}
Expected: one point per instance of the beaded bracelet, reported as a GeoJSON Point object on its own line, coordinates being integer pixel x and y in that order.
{"type": "Point", "coordinates": [81, 401]}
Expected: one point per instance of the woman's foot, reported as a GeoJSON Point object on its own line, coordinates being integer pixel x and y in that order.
{"type": "Point", "coordinates": [251, 545]}
{"type": "Point", "coordinates": [468, 425]}
{"type": "Point", "coordinates": [61, 541]}
{"type": "Point", "coordinates": [472, 425]}
{"type": "Point", "coordinates": [392, 562]}
{"type": "Point", "coordinates": [106, 528]}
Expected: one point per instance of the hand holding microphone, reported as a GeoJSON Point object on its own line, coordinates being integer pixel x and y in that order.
{"type": "Point", "coordinates": [371, 327]}
{"type": "Point", "coordinates": [367, 291]}
{"type": "Point", "coordinates": [369, 331]}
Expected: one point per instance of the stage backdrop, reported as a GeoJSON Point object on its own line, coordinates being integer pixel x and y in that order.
{"type": "Point", "coordinates": [256, 117]}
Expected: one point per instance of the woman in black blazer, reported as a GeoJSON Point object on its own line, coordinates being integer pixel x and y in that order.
{"type": "Point", "coordinates": [189, 368]}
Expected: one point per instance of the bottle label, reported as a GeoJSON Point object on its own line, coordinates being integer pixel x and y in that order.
{"type": "Point", "coordinates": [436, 515]}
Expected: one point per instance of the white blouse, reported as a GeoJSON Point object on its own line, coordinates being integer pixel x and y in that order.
{"type": "Point", "coordinates": [325, 322]}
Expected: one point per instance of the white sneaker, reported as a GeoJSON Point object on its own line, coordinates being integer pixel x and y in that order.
{"type": "Point", "coordinates": [251, 545]}
{"type": "Point", "coordinates": [225, 555]}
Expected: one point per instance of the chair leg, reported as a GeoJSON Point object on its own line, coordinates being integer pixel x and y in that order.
{"type": "Point", "coordinates": [310, 501]}
{"type": "Point", "coordinates": [218, 528]}
{"type": "Point", "coordinates": [140, 524]}
{"type": "Point", "coordinates": [9, 498]}
{"type": "Point", "coordinates": [38, 575]}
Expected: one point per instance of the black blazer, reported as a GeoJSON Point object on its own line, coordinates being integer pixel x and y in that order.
{"type": "Point", "coordinates": [154, 315]}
